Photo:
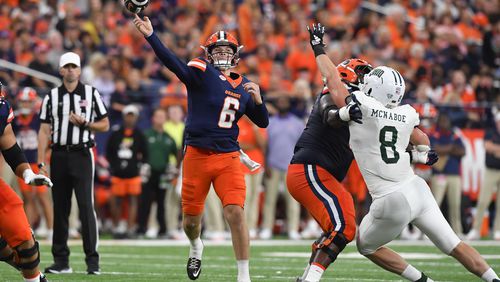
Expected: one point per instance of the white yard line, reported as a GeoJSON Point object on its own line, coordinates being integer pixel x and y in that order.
{"type": "Point", "coordinates": [156, 243]}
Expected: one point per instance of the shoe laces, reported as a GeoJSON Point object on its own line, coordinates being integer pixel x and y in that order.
{"type": "Point", "coordinates": [194, 263]}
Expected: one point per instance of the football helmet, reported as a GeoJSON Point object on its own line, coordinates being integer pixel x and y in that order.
{"type": "Point", "coordinates": [386, 85]}
{"type": "Point", "coordinates": [26, 98]}
{"type": "Point", "coordinates": [222, 38]}
{"type": "Point", "coordinates": [27, 94]}
{"type": "Point", "coordinates": [352, 71]}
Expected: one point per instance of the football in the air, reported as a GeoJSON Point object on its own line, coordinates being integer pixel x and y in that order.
{"type": "Point", "coordinates": [136, 6]}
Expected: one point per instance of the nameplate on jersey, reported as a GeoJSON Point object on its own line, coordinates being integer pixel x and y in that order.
{"type": "Point", "coordinates": [388, 115]}
{"type": "Point", "coordinates": [198, 63]}
{"type": "Point", "coordinates": [233, 94]}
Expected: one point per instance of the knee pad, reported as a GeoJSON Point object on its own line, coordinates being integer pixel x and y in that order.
{"type": "Point", "coordinates": [7, 258]}
{"type": "Point", "coordinates": [332, 243]}
{"type": "Point", "coordinates": [28, 254]}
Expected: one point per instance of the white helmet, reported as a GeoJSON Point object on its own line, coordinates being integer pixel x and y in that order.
{"type": "Point", "coordinates": [386, 85]}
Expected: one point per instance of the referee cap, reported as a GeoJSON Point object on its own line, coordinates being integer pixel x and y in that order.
{"type": "Point", "coordinates": [69, 58]}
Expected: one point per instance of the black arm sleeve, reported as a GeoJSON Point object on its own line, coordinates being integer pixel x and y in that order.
{"type": "Point", "coordinates": [14, 156]}
{"type": "Point", "coordinates": [329, 111]}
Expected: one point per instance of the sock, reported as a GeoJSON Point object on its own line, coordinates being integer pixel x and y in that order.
{"type": "Point", "coordinates": [489, 275]}
{"type": "Point", "coordinates": [411, 273]}
{"type": "Point", "coordinates": [305, 272]}
{"type": "Point", "coordinates": [33, 279]}
{"type": "Point", "coordinates": [196, 249]}
{"type": "Point", "coordinates": [315, 272]}
{"type": "Point", "coordinates": [243, 270]}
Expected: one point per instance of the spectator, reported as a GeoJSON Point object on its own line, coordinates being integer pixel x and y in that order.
{"type": "Point", "coordinates": [491, 182]}
{"type": "Point", "coordinates": [126, 151]}
{"type": "Point", "coordinates": [161, 147]}
{"type": "Point", "coordinates": [446, 172]}
{"type": "Point", "coordinates": [284, 130]}
{"type": "Point", "coordinates": [253, 141]}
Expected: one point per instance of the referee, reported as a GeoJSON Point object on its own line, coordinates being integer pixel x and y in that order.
{"type": "Point", "coordinates": [69, 114]}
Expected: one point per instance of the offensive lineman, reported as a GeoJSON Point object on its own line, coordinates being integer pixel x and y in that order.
{"type": "Point", "coordinates": [399, 196]}
{"type": "Point", "coordinates": [17, 244]}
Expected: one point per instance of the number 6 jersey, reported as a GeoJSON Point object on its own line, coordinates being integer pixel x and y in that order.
{"type": "Point", "coordinates": [215, 101]}
{"type": "Point", "coordinates": [379, 144]}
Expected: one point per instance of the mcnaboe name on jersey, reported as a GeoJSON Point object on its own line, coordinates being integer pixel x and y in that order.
{"type": "Point", "coordinates": [388, 115]}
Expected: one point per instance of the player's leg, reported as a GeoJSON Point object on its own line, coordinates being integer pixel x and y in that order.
{"type": "Point", "coordinates": [196, 179]}
{"type": "Point", "coordinates": [331, 206]}
{"type": "Point", "coordinates": [229, 184]}
{"type": "Point", "coordinates": [387, 217]}
{"type": "Point", "coordinates": [17, 238]}
{"type": "Point", "coordinates": [432, 222]}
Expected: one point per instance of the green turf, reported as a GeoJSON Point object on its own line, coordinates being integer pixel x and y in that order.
{"type": "Point", "coordinates": [167, 263]}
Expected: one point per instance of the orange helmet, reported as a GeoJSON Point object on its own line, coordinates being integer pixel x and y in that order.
{"type": "Point", "coordinates": [352, 71]}
{"type": "Point", "coordinates": [27, 94]}
{"type": "Point", "coordinates": [222, 38]}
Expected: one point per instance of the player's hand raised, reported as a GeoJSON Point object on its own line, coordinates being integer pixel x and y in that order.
{"type": "Point", "coordinates": [254, 90]}
{"type": "Point", "coordinates": [316, 34]}
{"type": "Point", "coordinates": [144, 26]}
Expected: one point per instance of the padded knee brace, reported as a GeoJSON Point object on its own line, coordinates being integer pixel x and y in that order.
{"type": "Point", "coordinates": [332, 243]}
{"type": "Point", "coordinates": [28, 254]}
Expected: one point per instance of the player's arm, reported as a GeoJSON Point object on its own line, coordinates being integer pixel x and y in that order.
{"type": "Point", "coordinates": [256, 109]}
{"type": "Point", "coordinates": [327, 68]}
{"type": "Point", "coordinates": [16, 159]}
{"type": "Point", "coordinates": [186, 74]}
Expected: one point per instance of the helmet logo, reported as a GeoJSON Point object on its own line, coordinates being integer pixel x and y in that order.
{"type": "Point", "coordinates": [377, 72]}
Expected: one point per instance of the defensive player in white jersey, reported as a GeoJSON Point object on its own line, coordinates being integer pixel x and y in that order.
{"type": "Point", "coordinates": [399, 196]}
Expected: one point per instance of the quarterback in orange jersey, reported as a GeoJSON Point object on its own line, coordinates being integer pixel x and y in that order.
{"type": "Point", "coordinates": [217, 99]}
{"type": "Point", "coordinates": [17, 244]}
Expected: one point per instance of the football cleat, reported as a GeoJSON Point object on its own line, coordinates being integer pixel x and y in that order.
{"type": "Point", "coordinates": [58, 269]}
{"type": "Point", "coordinates": [193, 268]}
{"type": "Point", "coordinates": [43, 278]}
{"type": "Point", "coordinates": [424, 278]}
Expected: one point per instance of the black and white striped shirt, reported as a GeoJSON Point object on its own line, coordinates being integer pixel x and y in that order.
{"type": "Point", "coordinates": [59, 103]}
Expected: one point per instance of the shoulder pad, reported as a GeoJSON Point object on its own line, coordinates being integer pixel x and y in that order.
{"type": "Point", "coordinates": [198, 63]}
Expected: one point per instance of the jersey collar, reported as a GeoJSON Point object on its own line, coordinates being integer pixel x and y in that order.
{"type": "Point", "coordinates": [234, 79]}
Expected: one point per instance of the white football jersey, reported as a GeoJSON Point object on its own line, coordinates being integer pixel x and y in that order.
{"type": "Point", "coordinates": [379, 144]}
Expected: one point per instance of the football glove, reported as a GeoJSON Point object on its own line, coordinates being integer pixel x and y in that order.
{"type": "Point", "coordinates": [316, 38]}
{"type": "Point", "coordinates": [423, 154]}
{"type": "Point", "coordinates": [31, 178]}
{"type": "Point", "coordinates": [248, 162]}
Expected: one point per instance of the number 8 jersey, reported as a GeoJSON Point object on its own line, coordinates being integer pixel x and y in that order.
{"type": "Point", "coordinates": [379, 144]}
{"type": "Point", "coordinates": [215, 101]}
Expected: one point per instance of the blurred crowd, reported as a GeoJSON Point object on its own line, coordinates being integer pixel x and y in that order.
{"type": "Point", "coordinates": [448, 52]}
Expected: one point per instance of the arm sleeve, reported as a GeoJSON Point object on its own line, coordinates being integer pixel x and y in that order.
{"type": "Point", "coordinates": [45, 111]}
{"type": "Point", "coordinates": [257, 113]}
{"type": "Point", "coordinates": [99, 108]}
{"type": "Point", "coordinates": [189, 75]}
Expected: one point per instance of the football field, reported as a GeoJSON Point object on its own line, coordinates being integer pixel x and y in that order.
{"type": "Point", "coordinates": [275, 260]}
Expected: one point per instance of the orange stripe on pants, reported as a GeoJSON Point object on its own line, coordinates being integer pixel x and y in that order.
{"type": "Point", "coordinates": [324, 197]}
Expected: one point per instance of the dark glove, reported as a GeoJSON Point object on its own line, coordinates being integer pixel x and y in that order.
{"type": "Point", "coordinates": [316, 34]}
{"type": "Point", "coordinates": [350, 112]}
{"type": "Point", "coordinates": [432, 157]}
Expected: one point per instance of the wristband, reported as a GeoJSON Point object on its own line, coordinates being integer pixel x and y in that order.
{"type": "Point", "coordinates": [41, 165]}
